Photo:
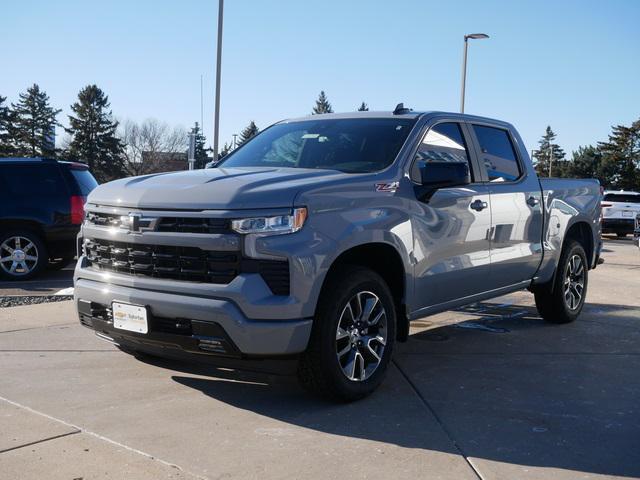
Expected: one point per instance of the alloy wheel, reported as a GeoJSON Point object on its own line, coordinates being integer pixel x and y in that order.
{"type": "Point", "coordinates": [361, 336]}
{"type": "Point", "coordinates": [573, 286]}
{"type": "Point", "coordinates": [18, 256]}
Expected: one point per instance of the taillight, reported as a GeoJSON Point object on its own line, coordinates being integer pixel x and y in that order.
{"type": "Point", "coordinates": [77, 209]}
{"type": "Point", "coordinates": [606, 205]}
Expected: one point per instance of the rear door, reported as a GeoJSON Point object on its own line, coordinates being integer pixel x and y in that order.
{"type": "Point", "coordinates": [34, 191]}
{"type": "Point", "coordinates": [451, 225]}
{"type": "Point", "coordinates": [516, 205]}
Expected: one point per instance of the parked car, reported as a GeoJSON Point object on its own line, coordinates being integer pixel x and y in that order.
{"type": "Point", "coordinates": [322, 237]}
{"type": "Point", "coordinates": [619, 210]}
{"type": "Point", "coordinates": [41, 209]}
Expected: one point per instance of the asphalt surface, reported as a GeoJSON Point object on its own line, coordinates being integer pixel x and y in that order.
{"type": "Point", "coordinates": [502, 395]}
{"type": "Point", "coordinates": [47, 283]}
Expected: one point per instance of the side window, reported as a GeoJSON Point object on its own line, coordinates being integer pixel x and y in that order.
{"type": "Point", "coordinates": [498, 154]}
{"type": "Point", "coordinates": [442, 143]}
{"type": "Point", "coordinates": [33, 179]}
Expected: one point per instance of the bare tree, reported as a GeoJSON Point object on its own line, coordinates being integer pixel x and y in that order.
{"type": "Point", "coordinates": [153, 146]}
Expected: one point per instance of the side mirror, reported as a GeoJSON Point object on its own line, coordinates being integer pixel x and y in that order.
{"type": "Point", "coordinates": [444, 174]}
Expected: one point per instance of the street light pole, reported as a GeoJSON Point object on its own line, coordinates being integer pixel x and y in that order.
{"type": "Point", "coordinates": [474, 36]}
{"type": "Point", "coordinates": [216, 119]}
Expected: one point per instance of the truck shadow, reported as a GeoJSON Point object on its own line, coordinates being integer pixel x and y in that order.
{"type": "Point", "coordinates": [521, 392]}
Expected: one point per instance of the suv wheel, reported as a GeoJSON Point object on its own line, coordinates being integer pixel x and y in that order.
{"type": "Point", "coordinates": [352, 338]}
{"type": "Point", "coordinates": [561, 301]}
{"type": "Point", "coordinates": [22, 255]}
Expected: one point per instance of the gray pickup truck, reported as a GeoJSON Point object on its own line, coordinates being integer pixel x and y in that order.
{"type": "Point", "coordinates": [320, 239]}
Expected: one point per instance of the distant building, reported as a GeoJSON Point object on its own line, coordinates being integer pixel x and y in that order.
{"type": "Point", "coordinates": [155, 162]}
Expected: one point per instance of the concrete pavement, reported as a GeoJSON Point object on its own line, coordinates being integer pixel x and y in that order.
{"type": "Point", "coordinates": [510, 397]}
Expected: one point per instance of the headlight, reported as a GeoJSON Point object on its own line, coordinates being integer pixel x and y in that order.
{"type": "Point", "coordinates": [272, 225]}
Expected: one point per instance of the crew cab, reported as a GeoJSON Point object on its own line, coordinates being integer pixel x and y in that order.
{"type": "Point", "coordinates": [321, 238]}
{"type": "Point", "coordinates": [41, 209]}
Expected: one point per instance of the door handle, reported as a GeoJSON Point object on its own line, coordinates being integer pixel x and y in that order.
{"type": "Point", "coordinates": [479, 205]}
{"type": "Point", "coordinates": [532, 201]}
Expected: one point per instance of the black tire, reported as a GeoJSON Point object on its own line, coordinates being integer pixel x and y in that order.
{"type": "Point", "coordinates": [552, 301]}
{"type": "Point", "coordinates": [319, 368]}
{"type": "Point", "coordinates": [33, 246]}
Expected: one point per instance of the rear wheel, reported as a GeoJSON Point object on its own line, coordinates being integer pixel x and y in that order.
{"type": "Point", "coordinates": [22, 255]}
{"type": "Point", "coordinates": [561, 301]}
{"type": "Point", "coordinates": [352, 338]}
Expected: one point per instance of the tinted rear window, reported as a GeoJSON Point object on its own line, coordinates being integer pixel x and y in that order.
{"type": "Point", "coordinates": [622, 198]}
{"type": "Point", "coordinates": [85, 180]}
{"type": "Point", "coordinates": [498, 154]}
{"type": "Point", "coordinates": [42, 180]}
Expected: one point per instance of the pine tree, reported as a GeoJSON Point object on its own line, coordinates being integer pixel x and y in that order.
{"type": "Point", "coordinates": [200, 153]}
{"type": "Point", "coordinates": [322, 105]}
{"type": "Point", "coordinates": [586, 162]}
{"type": "Point", "coordinates": [34, 123]}
{"type": "Point", "coordinates": [226, 149]}
{"type": "Point", "coordinates": [549, 151]}
{"type": "Point", "coordinates": [363, 107]}
{"type": "Point", "coordinates": [621, 156]}
{"type": "Point", "coordinates": [6, 142]}
{"type": "Point", "coordinates": [248, 132]}
{"type": "Point", "coordinates": [93, 135]}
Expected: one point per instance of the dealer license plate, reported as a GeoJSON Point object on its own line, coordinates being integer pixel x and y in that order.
{"type": "Point", "coordinates": [627, 213]}
{"type": "Point", "coordinates": [130, 317]}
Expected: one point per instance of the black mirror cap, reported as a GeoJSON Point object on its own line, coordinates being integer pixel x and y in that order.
{"type": "Point", "coordinates": [444, 174]}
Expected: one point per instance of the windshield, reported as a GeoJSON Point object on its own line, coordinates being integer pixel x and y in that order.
{"type": "Point", "coordinates": [359, 145]}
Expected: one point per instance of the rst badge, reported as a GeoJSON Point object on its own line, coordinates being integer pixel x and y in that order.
{"type": "Point", "coordinates": [390, 187]}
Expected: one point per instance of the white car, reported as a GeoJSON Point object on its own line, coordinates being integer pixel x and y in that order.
{"type": "Point", "coordinates": [619, 210]}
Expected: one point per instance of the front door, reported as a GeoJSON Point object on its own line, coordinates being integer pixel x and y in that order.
{"type": "Point", "coordinates": [451, 228]}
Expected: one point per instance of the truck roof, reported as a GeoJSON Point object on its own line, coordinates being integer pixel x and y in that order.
{"type": "Point", "coordinates": [390, 114]}
{"type": "Point", "coordinates": [75, 165]}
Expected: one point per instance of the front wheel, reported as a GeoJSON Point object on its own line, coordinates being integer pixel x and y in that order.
{"type": "Point", "coordinates": [561, 301]}
{"type": "Point", "coordinates": [352, 338]}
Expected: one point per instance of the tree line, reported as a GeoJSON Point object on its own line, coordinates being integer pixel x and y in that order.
{"type": "Point", "coordinates": [113, 150]}
{"type": "Point", "coordinates": [615, 162]}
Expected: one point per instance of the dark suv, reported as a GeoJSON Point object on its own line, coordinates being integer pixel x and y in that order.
{"type": "Point", "coordinates": [41, 209]}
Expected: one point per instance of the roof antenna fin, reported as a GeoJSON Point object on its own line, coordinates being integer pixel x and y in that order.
{"type": "Point", "coordinates": [399, 110]}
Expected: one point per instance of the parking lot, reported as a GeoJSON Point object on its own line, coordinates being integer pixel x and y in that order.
{"type": "Point", "coordinates": [501, 395]}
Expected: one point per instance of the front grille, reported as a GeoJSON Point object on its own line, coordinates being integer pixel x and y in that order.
{"type": "Point", "coordinates": [193, 225]}
{"type": "Point", "coordinates": [165, 224]}
{"type": "Point", "coordinates": [178, 263]}
{"type": "Point", "coordinates": [104, 219]}
{"type": "Point", "coordinates": [184, 263]}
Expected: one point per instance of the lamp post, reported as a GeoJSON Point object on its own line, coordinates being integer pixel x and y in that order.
{"type": "Point", "coordinates": [473, 36]}
{"type": "Point", "coordinates": [216, 120]}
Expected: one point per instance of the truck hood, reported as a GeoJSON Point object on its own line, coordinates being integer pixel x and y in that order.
{"type": "Point", "coordinates": [212, 189]}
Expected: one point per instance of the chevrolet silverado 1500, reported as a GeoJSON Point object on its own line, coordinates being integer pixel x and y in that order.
{"type": "Point", "coordinates": [322, 237]}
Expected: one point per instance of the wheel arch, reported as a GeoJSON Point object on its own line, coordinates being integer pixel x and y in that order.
{"type": "Point", "coordinates": [582, 233]}
{"type": "Point", "coordinates": [384, 259]}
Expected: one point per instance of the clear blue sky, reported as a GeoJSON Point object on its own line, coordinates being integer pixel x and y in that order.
{"type": "Point", "coordinates": [572, 64]}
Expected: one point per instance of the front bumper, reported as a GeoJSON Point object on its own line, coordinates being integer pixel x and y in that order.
{"type": "Point", "coordinates": [202, 326]}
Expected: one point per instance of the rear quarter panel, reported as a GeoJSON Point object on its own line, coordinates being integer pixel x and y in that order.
{"type": "Point", "coordinates": [567, 202]}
